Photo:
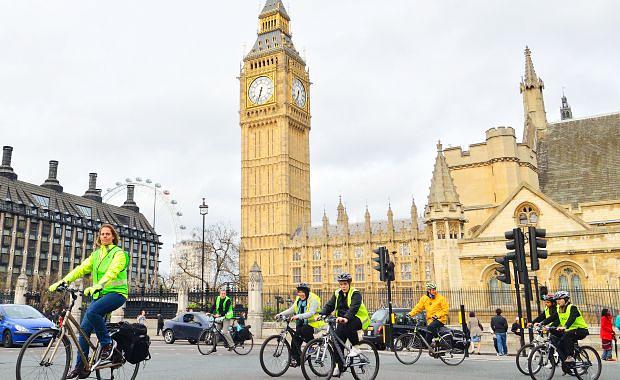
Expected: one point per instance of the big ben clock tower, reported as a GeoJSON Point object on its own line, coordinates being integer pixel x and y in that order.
{"type": "Point", "coordinates": [275, 159]}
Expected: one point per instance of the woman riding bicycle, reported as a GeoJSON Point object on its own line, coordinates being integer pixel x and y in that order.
{"type": "Point", "coordinates": [550, 308]}
{"type": "Point", "coordinates": [571, 326]}
{"type": "Point", "coordinates": [108, 265]}
{"type": "Point", "coordinates": [304, 311]}
{"type": "Point", "coordinates": [351, 314]}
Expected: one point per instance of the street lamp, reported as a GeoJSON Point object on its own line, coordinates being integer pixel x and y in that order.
{"type": "Point", "coordinates": [204, 210]}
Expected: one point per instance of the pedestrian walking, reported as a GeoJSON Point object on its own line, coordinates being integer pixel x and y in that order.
{"type": "Point", "coordinates": [142, 317]}
{"type": "Point", "coordinates": [516, 327]}
{"type": "Point", "coordinates": [475, 332]}
{"type": "Point", "coordinates": [160, 323]}
{"type": "Point", "coordinates": [607, 335]}
{"type": "Point", "coordinates": [499, 325]}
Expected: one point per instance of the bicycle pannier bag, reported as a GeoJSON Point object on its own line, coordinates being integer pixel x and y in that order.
{"type": "Point", "coordinates": [134, 342]}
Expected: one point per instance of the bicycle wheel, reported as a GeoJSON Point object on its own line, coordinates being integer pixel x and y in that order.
{"type": "Point", "coordinates": [275, 356]}
{"type": "Point", "coordinates": [540, 364]}
{"type": "Point", "coordinates": [408, 348]}
{"type": "Point", "coordinates": [50, 360]}
{"type": "Point", "coordinates": [366, 365]}
{"type": "Point", "coordinates": [125, 371]}
{"type": "Point", "coordinates": [449, 354]}
{"type": "Point", "coordinates": [522, 356]}
{"type": "Point", "coordinates": [318, 360]}
{"type": "Point", "coordinates": [588, 364]}
{"type": "Point", "coordinates": [244, 348]}
{"type": "Point", "coordinates": [207, 342]}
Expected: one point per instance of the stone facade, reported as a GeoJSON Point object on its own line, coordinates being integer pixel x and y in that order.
{"type": "Point", "coordinates": [561, 176]}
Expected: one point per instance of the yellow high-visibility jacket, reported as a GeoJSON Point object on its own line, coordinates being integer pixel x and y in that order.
{"type": "Point", "coordinates": [434, 307]}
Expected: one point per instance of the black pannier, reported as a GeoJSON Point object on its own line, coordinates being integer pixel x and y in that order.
{"type": "Point", "coordinates": [134, 341]}
{"type": "Point", "coordinates": [242, 335]}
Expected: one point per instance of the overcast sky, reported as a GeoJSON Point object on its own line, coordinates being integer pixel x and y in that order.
{"type": "Point", "coordinates": [149, 88]}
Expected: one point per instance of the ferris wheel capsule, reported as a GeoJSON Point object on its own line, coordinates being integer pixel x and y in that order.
{"type": "Point", "coordinates": [167, 192]}
{"type": "Point", "coordinates": [179, 213]}
{"type": "Point", "coordinates": [118, 183]}
{"type": "Point", "coordinates": [173, 202]}
{"type": "Point", "coordinates": [148, 180]}
{"type": "Point", "coordinates": [128, 180]}
{"type": "Point", "coordinates": [138, 179]}
{"type": "Point", "coordinates": [158, 185]}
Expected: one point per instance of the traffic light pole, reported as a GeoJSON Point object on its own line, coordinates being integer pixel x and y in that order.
{"type": "Point", "coordinates": [528, 303]}
{"type": "Point", "coordinates": [519, 308]}
{"type": "Point", "coordinates": [537, 295]}
{"type": "Point", "coordinates": [390, 329]}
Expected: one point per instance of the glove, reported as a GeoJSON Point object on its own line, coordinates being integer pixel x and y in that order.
{"type": "Point", "coordinates": [55, 286]}
{"type": "Point", "coordinates": [91, 290]}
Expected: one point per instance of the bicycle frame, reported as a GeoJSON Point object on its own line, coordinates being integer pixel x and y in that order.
{"type": "Point", "coordinates": [331, 339]}
{"type": "Point", "coordinates": [420, 333]}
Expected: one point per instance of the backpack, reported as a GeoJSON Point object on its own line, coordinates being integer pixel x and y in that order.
{"type": "Point", "coordinates": [133, 340]}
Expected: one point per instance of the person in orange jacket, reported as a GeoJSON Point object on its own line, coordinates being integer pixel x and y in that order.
{"type": "Point", "coordinates": [436, 308]}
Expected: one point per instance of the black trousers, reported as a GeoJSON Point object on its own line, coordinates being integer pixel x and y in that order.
{"type": "Point", "coordinates": [348, 331]}
{"type": "Point", "coordinates": [433, 330]}
{"type": "Point", "coordinates": [159, 328]}
{"type": "Point", "coordinates": [304, 333]}
{"type": "Point", "coordinates": [566, 342]}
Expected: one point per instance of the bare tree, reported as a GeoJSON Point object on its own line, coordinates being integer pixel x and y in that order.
{"type": "Point", "coordinates": [221, 256]}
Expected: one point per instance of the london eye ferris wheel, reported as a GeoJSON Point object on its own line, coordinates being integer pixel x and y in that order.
{"type": "Point", "coordinates": [163, 206]}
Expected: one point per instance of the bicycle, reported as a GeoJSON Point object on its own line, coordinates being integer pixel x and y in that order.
{"type": "Point", "coordinates": [209, 338]}
{"type": "Point", "coordinates": [53, 359]}
{"type": "Point", "coordinates": [523, 353]}
{"type": "Point", "coordinates": [318, 357]}
{"type": "Point", "coordinates": [278, 355]}
{"type": "Point", "coordinates": [408, 347]}
{"type": "Point", "coordinates": [542, 361]}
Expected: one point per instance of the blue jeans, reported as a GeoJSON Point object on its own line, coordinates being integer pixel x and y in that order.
{"type": "Point", "coordinates": [94, 319]}
{"type": "Point", "coordinates": [501, 343]}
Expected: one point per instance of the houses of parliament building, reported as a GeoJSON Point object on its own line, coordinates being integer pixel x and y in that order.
{"type": "Point", "coordinates": [563, 176]}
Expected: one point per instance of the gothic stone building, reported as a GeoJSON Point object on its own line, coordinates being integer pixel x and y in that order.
{"type": "Point", "coordinates": [562, 176]}
{"type": "Point", "coordinates": [46, 232]}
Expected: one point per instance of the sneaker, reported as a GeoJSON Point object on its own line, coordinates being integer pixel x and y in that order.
{"type": "Point", "coordinates": [569, 359]}
{"type": "Point", "coordinates": [353, 352]}
{"type": "Point", "coordinates": [78, 371]}
{"type": "Point", "coordinates": [336, 372]}
{"type": "Point", "coordinates": [293, 363]}
{"type": "Point", "coordinates": [106, 352]}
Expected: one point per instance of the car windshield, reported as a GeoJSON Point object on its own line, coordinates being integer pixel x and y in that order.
{"type": "Point", "coordinates": [379, 315]}
{"type": "Point", "coordinates": [22, 312]}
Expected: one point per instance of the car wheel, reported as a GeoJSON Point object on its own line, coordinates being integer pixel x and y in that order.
{"type": "Point", "coordinates": [168, 336]}
{"type": "Point", "coordinates": [7, 339]}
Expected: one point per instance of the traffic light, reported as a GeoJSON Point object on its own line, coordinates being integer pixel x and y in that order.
{"type": "Point", "coordinates": [504, 270]}
{"type": "Point", "coordinates": [516, 246]}
{"type": "Point", "coordinates": [389, 275]}
{"type": "Point", "coordinates": [537, 241]}
{"type": "Point", "coordinates": [381, 259]}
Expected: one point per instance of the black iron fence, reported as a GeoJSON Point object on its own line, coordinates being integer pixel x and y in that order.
{"type": "Point", "coordinates": [7, 296]}
{"type": "Point", "coordinates": [483, 302]}
{"type": "Point", "coordinates": [158, 302]}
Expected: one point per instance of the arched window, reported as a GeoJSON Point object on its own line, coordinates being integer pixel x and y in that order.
{"type": "Point", "coordinates": [570, 280]}
{"type": "Point", "coordinates": [500, 292]}
{"type": "Point", "coordinates": [527, 215]}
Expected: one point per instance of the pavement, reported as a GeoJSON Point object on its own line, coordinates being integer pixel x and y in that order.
{"type": "Point", "coordinates": [183, 361]}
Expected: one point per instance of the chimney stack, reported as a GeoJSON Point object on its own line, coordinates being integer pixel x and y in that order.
{"type": "Point", "coordinates": [52, 182]}
{"type": "Point", "coordinates": [93, 193]}
{"type": "Point", "coordinates": [130, 204]}
{"type": "Point", "coordinates": [5, 169]}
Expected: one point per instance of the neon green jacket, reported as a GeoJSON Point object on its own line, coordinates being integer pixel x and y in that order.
{"type": "Point", "coordinates": [117, 265]}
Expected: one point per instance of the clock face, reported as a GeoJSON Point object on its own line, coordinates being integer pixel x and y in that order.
{"type": "Point", "coordinates": [261, 90]}
{"type": "Point", "coordinates": [299, 93]}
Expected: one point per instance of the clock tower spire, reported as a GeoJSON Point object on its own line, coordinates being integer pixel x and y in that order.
{"type": "Point", "coordinates": [275, 158]}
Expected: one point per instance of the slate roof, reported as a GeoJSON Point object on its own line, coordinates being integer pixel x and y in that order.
{"type": "Point", "coordinates": [579, 159]}
{"type": "Point", "coordinates": [273, 6]}
{"type": "Point", "coordinates": [15, 192]}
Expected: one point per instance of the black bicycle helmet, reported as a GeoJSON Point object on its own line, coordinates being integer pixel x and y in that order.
{"type": "Point", "coordinates": [303, 286]}
{"type": "Point", "coordinates": [344, 277]}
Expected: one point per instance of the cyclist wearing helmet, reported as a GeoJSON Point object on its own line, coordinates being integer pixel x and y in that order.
{"type": "Point", "coordinates": [304, 311]}
{"type": "Point", "coordinates": [571, 326]}
{"type": "Point", "coordinates": [436, 308]}
{"type": "Point", "coordinates": [351, 314]}
{"type": "Point", "coordinates": [550, 308]}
